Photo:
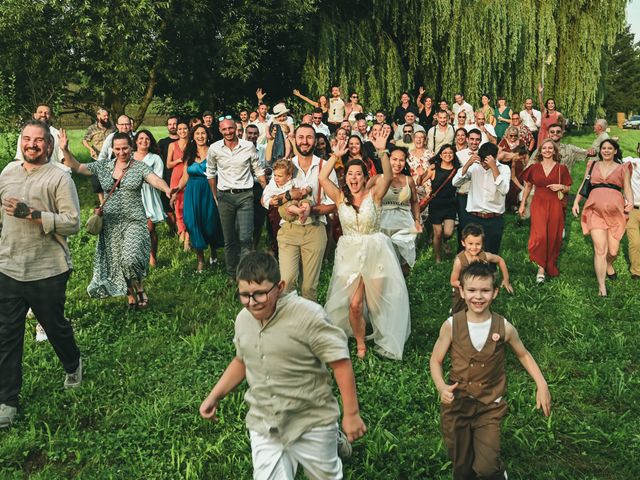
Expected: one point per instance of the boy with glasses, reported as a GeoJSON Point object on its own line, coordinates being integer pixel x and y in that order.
{"type": "Point", "coordinates": [282, 345]}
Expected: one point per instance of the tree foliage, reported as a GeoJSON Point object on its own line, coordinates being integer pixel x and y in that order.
{"type": "Point", "coordinates": [83, 53]}
{"type": "Point", "coordinates": [623, 76]}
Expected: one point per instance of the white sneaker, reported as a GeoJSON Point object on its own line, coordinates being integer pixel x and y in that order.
{"type": "Point", "coordinates": [7, 415]}
{"type": "Point", "coordinates": [213, 260]}
{"type": "Point", "coordinates": [41, 335]}
{"type": "Point", "coordinates": [73, 380]}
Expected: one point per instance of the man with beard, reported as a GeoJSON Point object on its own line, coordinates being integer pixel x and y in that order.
{"type": "Point", "coordinates": [401, 110]}
{"type": "Point", "coordinates": [40, 209]}
{"type": "Point", "coordinates": [459, 105]}
{"type": "Point", "coordinates": [43, 114]}
{"type": "Point", "coordinates": [441, 134]}
{"type": "Point", "coordinates": [409, 119]}
{"type": "Point", "coordinates": [407, 137]}
{"type": "Point", "coordinates": [486, 130]}
{"type": "Point", "coordinates": [569, 154]}
{"type": "Point", "coordinates": [471, 152]}
{"type": "Point", "coordinates": [305, 244]}
{"type": "Point", "coordinates": [163, 146]}
{"type": "Point", "coordinates": [318, 126]}
{"type": "Point", "coordinates": [336, 109]}
{"type": "Point", "coordinates": [232, 164]}
{"type": "Point", "coordinates": [97, 133]}
{"type": "Point", "coordinates": [243, 115]}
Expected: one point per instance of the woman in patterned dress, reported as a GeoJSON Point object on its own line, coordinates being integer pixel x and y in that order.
{"type": "Point", "coordinates": [124, 246]}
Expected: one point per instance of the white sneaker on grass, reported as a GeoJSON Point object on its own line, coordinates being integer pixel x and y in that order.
{"type": "Point", "coordinates": [73, 380]}
{"type": "Point", "coordinates": [7, 415]}
{"type": "Point", "coordinates": [344, 447]}
{"type": "Point", "coordinates": [41, 335]}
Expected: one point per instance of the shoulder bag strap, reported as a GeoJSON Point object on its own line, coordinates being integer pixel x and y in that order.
{"type": "Point", "coordinates": [115, 185]}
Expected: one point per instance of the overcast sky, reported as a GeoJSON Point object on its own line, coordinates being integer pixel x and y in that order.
{"type": "Point", "coordinates": [633, 17]}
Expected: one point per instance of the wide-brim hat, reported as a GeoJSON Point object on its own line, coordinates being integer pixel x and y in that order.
{"type": "Point", "coordinates": [280, 109]}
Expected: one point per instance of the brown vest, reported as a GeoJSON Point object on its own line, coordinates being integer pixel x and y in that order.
{"type": "Point", "coordinates": [480, 374]}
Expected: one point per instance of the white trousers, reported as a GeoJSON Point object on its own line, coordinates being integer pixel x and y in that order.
{"type": "Point", "coordinates": [316, 451]}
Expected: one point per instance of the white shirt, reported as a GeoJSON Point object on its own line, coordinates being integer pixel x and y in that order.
{"type": "Point", "coordinates": [106, 150]}
{"type": "Point", "coordinates": [262, 130]}
{"type": "Point", "coordinates": [635, 178]}
{"type": "Point", "coordinates": [56, 156]}
{"type": "Point", "coordinates": [487, 126]}
{"type": "Point", "coordinates": [456, 108]}
{"type": "Point", "coordinates": [272, 190]}
{"type": "Point", "coordinates": [336, 110]}
{"type": "Point", "coordinates": [322, 128]}
{"type": "Point", "coordinates": [486, 194]}
{"type": "Point", "coordinates": [532, 121]}
{"type": "Point", "coordinates": [233, 168]}
{"type": "Point", "coordinates": [463, 158]}
{"type": "Point", "coordinates": [436, 138]}
{"type": "Point", "coordinates": [310, 177]}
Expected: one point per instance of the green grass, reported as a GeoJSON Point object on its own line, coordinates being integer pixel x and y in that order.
{"type": "Point", "coordinates": [136, 415]}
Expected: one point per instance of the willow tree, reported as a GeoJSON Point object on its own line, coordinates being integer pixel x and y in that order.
{"type": "Point", "coordinates": [502, 47]}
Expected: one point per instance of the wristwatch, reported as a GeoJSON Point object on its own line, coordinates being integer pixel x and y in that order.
{"type": "Point", "coordinates": [22, 210]}
{"type": "Point", "coordinates": [36, 214]}
{"type": "Point", "coordinates": [287, 195]}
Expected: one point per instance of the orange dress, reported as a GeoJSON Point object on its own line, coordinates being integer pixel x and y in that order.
{"type": "Point", "coordinates": [604, 209]}
{"type": "Point", "coordinates": [547, 216]}
{"type": "Point", "coordinates": [176, 176]}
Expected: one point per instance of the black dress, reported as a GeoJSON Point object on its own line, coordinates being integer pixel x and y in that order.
{"type": "Point", "coordinates": [443, 205]}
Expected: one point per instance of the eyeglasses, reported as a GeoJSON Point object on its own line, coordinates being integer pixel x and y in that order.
{"type": "Point", "coordinates": [258, 297]}
{"type": "Point", "coordinates": [225, 117]}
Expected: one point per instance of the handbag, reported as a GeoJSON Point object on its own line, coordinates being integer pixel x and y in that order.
{"type": "Point", "coordinates": [94, 223]}
{"type": "Point", "coordinates": [425, 201]}
{"type": "Point", "coordinates": [586, 187]}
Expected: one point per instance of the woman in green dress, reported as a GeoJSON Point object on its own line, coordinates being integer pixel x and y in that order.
{"type": "Point", "coordinates": [124, 245]}
{"type": "Point", "coordinates": [503, 117]}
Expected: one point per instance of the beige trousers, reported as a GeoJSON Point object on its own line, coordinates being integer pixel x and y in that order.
{"type": "Point", "coordinates": [633, 236]}
{"type": "Point", "coordinates": [302, 244]}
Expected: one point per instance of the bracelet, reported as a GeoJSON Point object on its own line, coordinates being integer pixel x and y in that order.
{"type": "Point", "coordinates": [380, 152]}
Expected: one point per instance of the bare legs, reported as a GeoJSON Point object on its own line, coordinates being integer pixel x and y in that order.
{"type": "Point", "coordinates": [605, 249]}
{"type": "Point", "coordinates": [441, 235]}
{"type": "Point", "coordinates": [356, 318]}
{"type": "Point", "coordinates": [154, 242]}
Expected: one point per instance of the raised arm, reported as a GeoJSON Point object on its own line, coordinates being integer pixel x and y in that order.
{"type": "Point", "coordinates": [306, 99]}
{"type": "Point", "coordinates": [543, 107]}
{"type": "Point", "coordinates": [419, 98]}
{"type": "Point", "coordinates": [382, 185]}
{"type": "Point", "coordinates": [330, 188]}
{"type": "Point", "coordinates": [69, 160]}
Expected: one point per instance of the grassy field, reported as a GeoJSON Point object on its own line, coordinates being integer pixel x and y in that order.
{"type": "Point", "coordinates": [136, 415]}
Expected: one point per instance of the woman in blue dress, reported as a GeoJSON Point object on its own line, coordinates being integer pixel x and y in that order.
{"type": "Point", "coordinates": [200, 210]}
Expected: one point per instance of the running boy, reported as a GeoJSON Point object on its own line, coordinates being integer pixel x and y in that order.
{"type": "Point", "coordinates": [472, 241]}
{"type": "Point", "coordinates": [282, 345]}
{"type": "Point", "coordinates": [472, 404]}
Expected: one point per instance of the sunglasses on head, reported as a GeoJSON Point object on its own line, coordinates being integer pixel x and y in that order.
{"type": "Point", "coordinates": [225, 117]}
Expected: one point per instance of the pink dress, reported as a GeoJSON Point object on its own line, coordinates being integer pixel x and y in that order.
{"type": "Point", "coordinates": [545, 121]}
{"type": "Point", "coordinates": [176, 175]}
{"type": "Point", "coordinates": [604, 209]}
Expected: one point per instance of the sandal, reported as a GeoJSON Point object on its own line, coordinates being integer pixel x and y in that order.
{"type": "Point", "coordinates": [143, 300]}
{"type": "Point", "coordinates": [131, 299]}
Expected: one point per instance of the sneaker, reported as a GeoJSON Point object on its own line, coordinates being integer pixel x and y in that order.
{"type": "Point", "coordinates": [41, 335]}
{"type": "Point", "coordinates": [540, 277]}
{"type": "Point", "coordinates": [30, 314]}
{"type": "Point", "coordinates": [213, 260]}
{"type": "Point", "coordinates": [7, 415]}
{"type": "Point", "coordinates": [73, 380]}
{"type": "Point", "coordinates": [344, 447]}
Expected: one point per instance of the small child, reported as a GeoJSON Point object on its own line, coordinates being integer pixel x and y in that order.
{"type": "Point", "coordinates": [472, 241]}
{"type": "Point", "coordinates": [283, 345]}
{"type": "Point", "coordinates": [472, 404]}
{"type": "Point", "coordinates": [275, 194]}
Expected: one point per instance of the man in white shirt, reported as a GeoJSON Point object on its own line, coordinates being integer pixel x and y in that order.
{"type": "Point", "coordinates": [262, 122]}
{"type": "Point", "coordinates": [460, 105]}
{"type": "Point", "coordinates": [486, 130]}
{"type": "Point", "coordinates": [489, 187]}
{"type": "Point", "coordinates": [231, 165]}
{"type": "Point", "coordinates": [43, 114]}
{"type": "Point", "coordinates": [336, 109]}
{"type": "Point", "coordinates": [318, 126]}
{"type": "Point", "coordinates": [409, 119]}
{"type": "Point", "coordinates": [305, 244]}
{"type": "Point", "coordinates": [441, 134]}
{"type": "Point", "coordinates": [633, 225]}
{"type": "Point", "coordinates": [471, 152]}
{"type": "Point", "coordinates": [531, 118]}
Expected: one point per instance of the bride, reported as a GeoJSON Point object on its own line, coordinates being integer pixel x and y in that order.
{"type": "Point", "coordinates": [367, 278]}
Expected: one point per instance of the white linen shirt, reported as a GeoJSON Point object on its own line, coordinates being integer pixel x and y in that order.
{"type": "Point", "coordinates": [486, 195]}
{"type": "Point", "coordinates": [532, 121]}
{"type": "Point", "coordinates": [468, 109]}
{"type": "Point", "coordinates": [233, 167]}
{"type": "Point", "coordinates": [635, 178]}
{"type": "Point", "coordinates": [311, 178]}
{"type": "Point", "coordinates": [322, 128]}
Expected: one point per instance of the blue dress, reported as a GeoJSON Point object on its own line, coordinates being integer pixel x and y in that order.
{"type": "Point", "coordinates": [200, 210]}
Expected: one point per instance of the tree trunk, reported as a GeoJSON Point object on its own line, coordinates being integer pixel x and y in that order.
{"type": "Point", "coordinates": [115, 104]}
{"type": "Point", "coordinates": [148, 95]}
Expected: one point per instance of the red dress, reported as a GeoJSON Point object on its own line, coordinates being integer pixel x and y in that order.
{"type": "Point", "coordinates": [547, 216]}
{"type": "Point", "coordinates": [176, 175]}
{"type": "Point", "coordinates": [604, 208]}
{"type": "Point", "coordinates": [545, 121]}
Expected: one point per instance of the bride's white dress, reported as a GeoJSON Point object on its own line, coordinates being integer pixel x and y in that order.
{"type": "Point", "coordinates": [365, 252]}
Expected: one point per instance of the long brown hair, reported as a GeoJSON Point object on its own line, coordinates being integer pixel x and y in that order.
{"type": "Point", "coordinates": [556, 151]}
{"type": "Point", "coordinates": [348, 196]}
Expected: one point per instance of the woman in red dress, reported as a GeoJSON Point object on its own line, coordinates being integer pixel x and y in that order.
{"type": "Point", "coordinates": [604, 214]}
{"type": "Point", "coordinates": [552, 181]}
{"type": "Point", "coordinates": [549, 115]}
{"type": "Point", "coordinates": [175, 164]}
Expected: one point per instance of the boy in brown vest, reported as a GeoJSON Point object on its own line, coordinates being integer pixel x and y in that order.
{"type": "Point", "coordinates": [473, 404]}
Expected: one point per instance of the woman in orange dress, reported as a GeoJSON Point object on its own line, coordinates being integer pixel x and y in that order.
{"type": "Point", "coordinates": [552, 181]}
{"type": "Point", "coordinates": [604, 213]}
